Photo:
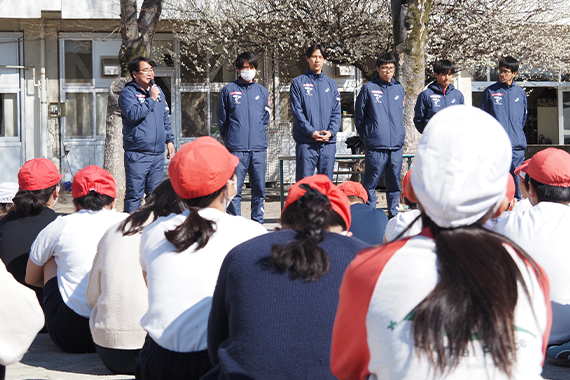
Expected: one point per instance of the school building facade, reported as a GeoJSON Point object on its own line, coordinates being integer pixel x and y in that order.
{"type": "Point", "coordinates": [58, 58]}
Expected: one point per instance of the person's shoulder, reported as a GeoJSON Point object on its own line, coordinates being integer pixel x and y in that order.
{"type": "Point", "coordinates": [130, 87]}
{"type": "Point", "coordinates": [493, 87]}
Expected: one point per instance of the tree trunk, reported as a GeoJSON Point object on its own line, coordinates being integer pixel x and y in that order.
{"type": "Point", "coordinates": [137, 36]}
{"type": "Point", "coordinates": [114, 153]}
{"type": "Point", "coordinates": [410, 21]}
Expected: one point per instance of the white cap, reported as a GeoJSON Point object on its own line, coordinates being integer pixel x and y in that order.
{"type": "Point", "coordinates": [461, 166]}
{"type": "Point", "coordinates": [7, 191]}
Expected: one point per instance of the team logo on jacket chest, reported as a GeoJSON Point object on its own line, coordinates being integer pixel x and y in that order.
{"type": "Point", "coordinates": [141, 97]}
{"type": "Point", "coordinates": [497, 98]}
{"type": "Point", "coordinates": [237, 96]}
{"type": "Point", "coordinates": [309, 87]}
{"type": "Point", "coordinates": [435, 99]}
{"type": "Point", "coordinates": [377, 95]}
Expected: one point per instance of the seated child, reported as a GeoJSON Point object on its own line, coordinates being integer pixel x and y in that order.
{"type": "Point", "coordinates": [62, 256]}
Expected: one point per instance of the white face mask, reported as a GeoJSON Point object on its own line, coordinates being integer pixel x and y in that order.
{"type": "Point", "coordinates": [227, 198]}
{"type": "Point", "coordinates": [247, 75]}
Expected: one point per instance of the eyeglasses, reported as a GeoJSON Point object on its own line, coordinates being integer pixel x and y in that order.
{"type": "Point", "coordinates": [387, 68]}
{"type": "Point", "coordinates": [146, 71]}
{"type": "Point", "coordinates": [505, 72]}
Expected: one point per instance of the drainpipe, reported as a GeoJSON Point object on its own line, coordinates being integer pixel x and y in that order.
{"type": "Point", "coordinates": [43, 95]}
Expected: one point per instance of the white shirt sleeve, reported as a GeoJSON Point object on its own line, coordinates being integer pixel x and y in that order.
{"type": "Point", "coordinates": [21, 317]}
{"type": "Point", "coordinates": [43, 247]}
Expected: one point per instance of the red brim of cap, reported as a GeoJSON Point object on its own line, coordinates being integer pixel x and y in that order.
{"type": "Point", "coordinates": [322, 183]}
{"type": "Point", "coordinates": [550, 167]}
{"type": "Point", "coordinates": [354, 188]}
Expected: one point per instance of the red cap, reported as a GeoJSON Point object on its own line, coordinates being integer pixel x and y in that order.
{"type": "Point", "coordinates": [354, 188]}
{"type": "Point", "coordinates": [201, 167]}
{"type": "Point", "coordinates": [322, 183]}
{"type": "Point", "coordinates": [550, 167]}
{"type": "Point", "coordinates": [407, 186]}
{"type": "Point", "coordinates": [510, 188]}
{"type": "Point", "coordinates": [93, 178]}
{"type": "Point", "coordinates": [521, 169]}
{"type": "Point", "coordinates": [38, 174]}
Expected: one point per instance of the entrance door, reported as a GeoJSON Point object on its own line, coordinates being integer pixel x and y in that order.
{"type": "Point", "coordinates": [11, 82]}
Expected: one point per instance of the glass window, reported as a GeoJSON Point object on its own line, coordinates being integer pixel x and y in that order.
{"type": "Point", "coordinates": [284, 108]}
{"type": "Point", "coordinates": [79, 120]}
{"type": "Point", "coordinates": [566, 110]}
{"type": "Point", "coordinates": [8, 115]}
{"type": "Point", "coordinates": [194, 113]}
{"type": "Point", "coordinates": [78, 62]}
{"type": "Point", "coordinates": [192, 66]}
{"type": "Point", "coordinates": [214, 97]}
{"type": "Point", "coordinates": [101, 99]}
{"type": "Point", "coordinates": [162, 53]}
{"type": "Point", "coordinates": [221, 70]}
{"type": "Point", "coordinates": [292, 68]}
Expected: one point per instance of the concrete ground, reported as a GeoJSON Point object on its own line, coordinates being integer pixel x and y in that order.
{"type": "Point", "coordinates": [45, 361]}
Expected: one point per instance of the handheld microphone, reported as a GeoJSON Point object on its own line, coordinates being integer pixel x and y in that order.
{"type": "Point", "coordinates": [152, 84]}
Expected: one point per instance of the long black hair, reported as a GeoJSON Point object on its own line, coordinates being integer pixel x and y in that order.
{"type": "Point", "coordinates": [162, 201]}
{"type": "Point", "coordinates": [32, 202]}
{"type": "Point", "coordinates": [475, 297]}
{"type": "Point", "coordinates": [194, 229]}
{"type": "Point", "coordinates": [310, 216]}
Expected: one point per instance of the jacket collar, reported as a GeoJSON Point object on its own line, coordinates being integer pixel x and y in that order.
{"type": "Point", "coordinates": [437, 88]}
{"type": "Point", "coordinates": [241, 83]}
{"type": "Point", "coordinates": [314, 75]}
{"type": "Point", "coordinates": [382, 83]}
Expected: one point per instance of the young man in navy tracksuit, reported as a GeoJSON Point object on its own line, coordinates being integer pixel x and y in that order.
{"type": "Point", "coordinates": [438, 95]}
{"type": "Point", "coordinates": [146, 131]}
{"type": "Point", "coordinates": [507, 103]}
{"type": "Point", "coordinates": [315, 106]}
{"type": "Point", "coordinates": [243, 115]}
{"type": "Point", "coordinates": [379, 119]}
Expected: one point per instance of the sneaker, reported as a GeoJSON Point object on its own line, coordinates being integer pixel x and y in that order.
{"type": "Point", "coordinates": [559, 355]}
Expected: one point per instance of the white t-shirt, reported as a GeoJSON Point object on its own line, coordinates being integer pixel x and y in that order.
{"type": "Point", "coordinates": [21, 317]}
{"type": "Point", "coordinates": [373, 332]}
{"type": "Point", "coordinates": [400, 222]}
{"type": "Point", "coordinates": [181, 284]}
{"type": "Point", "coordinates": [522, 205]}
{"type": "Point", "coordinates": [72, 240]}
{"type": "Point", "coordinates": [544, 233]}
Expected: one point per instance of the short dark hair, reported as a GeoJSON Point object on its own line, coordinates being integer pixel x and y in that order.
{"type": "Point", "coordinates": [385, 58]}
{"type": "Point", "coordinates": [135, 64]}
{"type": "Point", "coordinates": [93, 201]}
{"type": "Point", "coordinates": [444, 66]}
{"type": "Point", "coordinates": [355, 198]}
{"type": "Point", "coordinates": [311, 49]}
{"type": "Point", "coordinates": [246, 57]}
{"type": "Point", "coordinates": [509, 63]}
{"type": "Point", "coordinates": [549, 193]}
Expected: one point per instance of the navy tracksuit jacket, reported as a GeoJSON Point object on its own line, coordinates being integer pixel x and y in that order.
{"type": "Point", "coordinates": [379, 119]}
{"type": "Point", "coordinates": [432, 100]}
{"type": "Point", "coordinates": [243, 115]}
{"type": "Point", "coordinates": [146, 131]}
{"type": "Point", "coordinates": [507, 103]}
{"type": "Point", "coordinates": [315, 106]}
{"type": "Point", "coordinates": [146, 124]}
{"type": "Point", "coordinates": [379, 115]}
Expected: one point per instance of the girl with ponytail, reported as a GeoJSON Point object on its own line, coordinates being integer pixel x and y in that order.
{"type": "Point", "coordinates": [32, 211]}
{"type": "Point", "coordinates": [276, 296]}
{"type": "Point", "coordinates": [457, 301]}
{"type": "Point", "coordinates": [181, 255]}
